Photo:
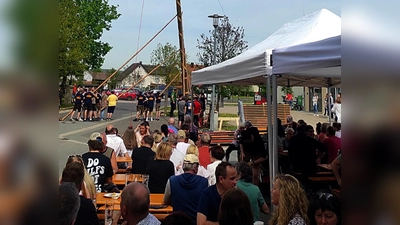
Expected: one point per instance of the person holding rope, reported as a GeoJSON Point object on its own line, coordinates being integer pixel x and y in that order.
{"type": "Point", "coordinates": [112, 103]}
{"type": "Point", "coordinates": [140, 106]}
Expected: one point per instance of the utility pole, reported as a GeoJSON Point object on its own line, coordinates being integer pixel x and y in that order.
{"type": "Point", "coordinates": [186, 86]}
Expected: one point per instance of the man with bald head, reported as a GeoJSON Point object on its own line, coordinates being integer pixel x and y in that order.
{"type": "Point", "coordinates": [135, 201]}
{"type": "Point", "coordinates": [171, 125]}
{"type": "Point", "coordinates": [115, 142]}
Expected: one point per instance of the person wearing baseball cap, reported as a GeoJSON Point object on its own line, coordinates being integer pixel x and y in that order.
{"type": "Point", "coordinates": [183, 191]}
{"type": "Point", "coordinates": [99, 165]}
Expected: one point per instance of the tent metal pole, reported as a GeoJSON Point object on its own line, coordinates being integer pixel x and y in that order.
{"type": "Point", "coordinates": [269, 128]}
{"type": "Point", "coordinates": [212, 117]}
{"type": "Point", "coordinates": [275, 127]}
{"type": "Point", "coordinates": [329, 106]}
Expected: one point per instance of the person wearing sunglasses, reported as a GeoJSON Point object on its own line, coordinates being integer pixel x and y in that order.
{"type": "Point", "coordinates": [324, 209]}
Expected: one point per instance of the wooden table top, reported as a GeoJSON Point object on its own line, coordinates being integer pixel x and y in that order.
{"type": "Point", "coordinates": [123, 159]}
{"type": "Point", "coordinates": [117, 207]}
{"type": "Point", "coordinates": [119, 178]}
{"type": "Point", "coordinates": [155, 199]}
{"type": "Point", "coordinates": [325, 166]}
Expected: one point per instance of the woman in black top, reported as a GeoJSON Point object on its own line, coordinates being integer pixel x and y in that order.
{"type": "Point", "coordinates": [160, 168]}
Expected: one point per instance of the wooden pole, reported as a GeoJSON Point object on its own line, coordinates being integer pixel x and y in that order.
{"type": "Point", "coordinates": [141, 79]}
{"type": "Point", "coordinates": [185, 88]}
{"type": "Point", "coordinates": [155, 68]}
{"type": "Point", "coordinates": [113, 74]}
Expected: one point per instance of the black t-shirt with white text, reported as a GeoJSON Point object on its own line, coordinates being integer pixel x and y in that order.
{"type": "Point", "coordinates": [98, 167]}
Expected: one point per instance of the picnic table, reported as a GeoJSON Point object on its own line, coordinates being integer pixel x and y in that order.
{"type": "Point", "coordinates": [121, 159]}
{"type": "Point", "coordinates": [156, 208]}
{"type": "Point", "coordinates": [155, 199]}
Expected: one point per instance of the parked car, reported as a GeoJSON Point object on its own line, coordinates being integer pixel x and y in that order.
{"type": "Point", "coordinates": [126, 95]}
{"type": "Point", "coordinates": [155, 91]}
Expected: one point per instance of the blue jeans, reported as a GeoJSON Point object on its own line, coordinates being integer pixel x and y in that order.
{"type": "Point", "coordinates": [102, 114]}
{"type": "Point", "coordinates": [315, 107]}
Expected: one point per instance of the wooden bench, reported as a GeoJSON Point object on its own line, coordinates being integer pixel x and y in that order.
{"type": "Point", "coordinates": [222, 138]}
{"type": "Point", "coordinates": [258, 114]}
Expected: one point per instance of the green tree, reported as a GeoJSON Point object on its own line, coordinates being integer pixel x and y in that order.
{"type": "Point", "coordinates": [72, 41]}
{"type": "Point", "coordinates": [229, 43]}
{"type": "Point", "coordinates": [170, 67]}
{"type": "Point", "coordinates": [81, 25]}
{"type": "Point", "coordinates": [113, 80]}
{"type": "Point", "coordinates": [97, 16]}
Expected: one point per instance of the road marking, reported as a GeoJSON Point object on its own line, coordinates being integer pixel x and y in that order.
{"type": "Point", "coordinates": [91, 127]}
{"type": "Point", "coordinates": [76, 142]}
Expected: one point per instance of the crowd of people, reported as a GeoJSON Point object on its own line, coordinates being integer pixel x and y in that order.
{"type": "Point", "coordinates": [200, 186]}
{"type": "Point", "coordinates": [196, 181]}
{"type": "Point", "coordinates": [91, 105]}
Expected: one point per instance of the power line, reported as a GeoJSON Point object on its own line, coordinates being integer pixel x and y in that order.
{"type": "Point", "coordinates": [221, 7]}
{"type": "Point", "coordinates": [140, 28]}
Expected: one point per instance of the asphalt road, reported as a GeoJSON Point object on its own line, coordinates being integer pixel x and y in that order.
{"type": "Point", "coordinates": [73, 136]}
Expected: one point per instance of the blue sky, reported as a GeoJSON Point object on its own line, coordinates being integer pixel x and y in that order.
{"type": "Point", "coordinates": [259, 18]}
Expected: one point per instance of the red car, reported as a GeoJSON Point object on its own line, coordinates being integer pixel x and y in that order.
{"type": "Point", "coordinates": [125, 95]}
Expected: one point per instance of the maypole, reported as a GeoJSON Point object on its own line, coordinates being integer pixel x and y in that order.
{"type": "Point", "coordinates": [186, 87]}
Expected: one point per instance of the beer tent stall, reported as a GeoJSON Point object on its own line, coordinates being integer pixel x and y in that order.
{"type": "Point", "coordinates": [307, 53]}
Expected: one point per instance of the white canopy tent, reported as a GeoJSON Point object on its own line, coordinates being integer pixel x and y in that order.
{"type": "Point", "coordinates": [310, 64]}
{"type": "Point", "coordinates": [314, 64]}
{"type": "Point", "coordinates": [307, 53]}
{"type": "Point", "coordinates": [250, 67]}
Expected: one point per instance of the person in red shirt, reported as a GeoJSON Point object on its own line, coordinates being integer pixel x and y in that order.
{"type": "Point", "coordinates": [204, 149]}
{"type": "Point", "coordinates": [196, 111]}
{"type": "Point", "coordinates": [333, 144]}
{"type": "Point", "coordinates": [289, 98]}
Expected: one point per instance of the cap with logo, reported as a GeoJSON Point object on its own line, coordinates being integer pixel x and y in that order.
{"type": "Point", "coordinates": [191, 158]}
{"type": "Point", "coordinates": [181, 134]}
{"type": "Point", "coordinates": [96, 136]}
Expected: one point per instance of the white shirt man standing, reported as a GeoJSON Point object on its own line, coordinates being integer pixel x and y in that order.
{"type": "Point", "coordinates": [115, 142]}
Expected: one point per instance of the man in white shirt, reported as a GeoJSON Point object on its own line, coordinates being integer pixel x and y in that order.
{"type": "Point", "coordinates": [115, 142]}
{"type": "Point", "coordinates": [144, 130]}
{"type": "Point", "coordinates": [217, 154]}
{"type": "Point", "coordinates": [180, 151]}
